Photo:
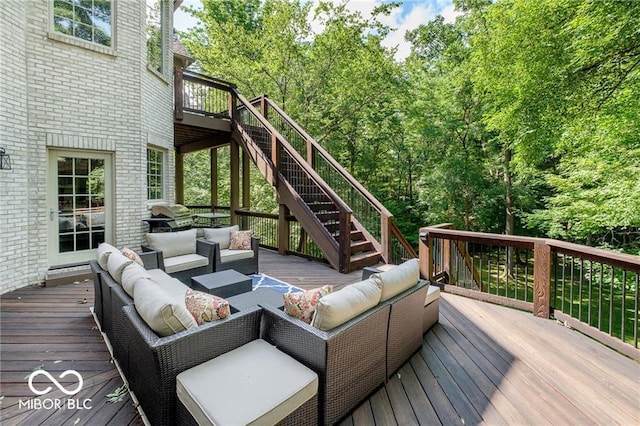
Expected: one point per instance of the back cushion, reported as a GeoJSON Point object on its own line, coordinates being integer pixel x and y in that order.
{"type": "Point", "coordinates": [174, 243]}
{"type": "Point", "coordinates": [398, 279]}
{"type": "Point", "coordinates": [104, 250]}
{"type": "Point", "coordinates": [131, 274]}
{"type": "Point", "coordinates": [222, 236]}
{"type": "Point", "coordinates": [162, 313]}
{"type": "Point", "coordinates": [116, 264]}
{"type": "Point", "coordinates": [339, 307]}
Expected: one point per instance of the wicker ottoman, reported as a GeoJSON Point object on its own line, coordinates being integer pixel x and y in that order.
{"type": "Point", "coordinates": [253, 384]}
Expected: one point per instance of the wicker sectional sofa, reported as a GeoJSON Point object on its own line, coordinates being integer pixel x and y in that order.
{"type": "Point", "coordinates": [351, 359]}
{"type": "Point", "coordinates": [356, 357]}
{"type": "Point", "coordinates": [151, 362]}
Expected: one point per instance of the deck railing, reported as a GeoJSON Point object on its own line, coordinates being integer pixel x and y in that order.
{"type": "Point", "coordinates": [590, 289]}
{"type": "Point", "coordinates": [367, 210]}
{"type": "Point", "coordinates": [202, 95]}
{"type": "Point", "coordinates": [266, 226]}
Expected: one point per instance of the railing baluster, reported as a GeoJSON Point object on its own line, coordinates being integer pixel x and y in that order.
{"type": "Point", "coordinates": [580, 289]}
{"type": "Point", "coordinates": [637, 306]}
{"type": "Point", "coordinates": [613, 278]}
{"type": "Point", "coordinates": [624, 304]}
{"type": "Point", "coordinates": [600, 297]}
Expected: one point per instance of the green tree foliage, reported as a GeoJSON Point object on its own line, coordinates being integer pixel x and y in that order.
{"type": "Point", "coordinates": [566, 101]}
{"type": "Point", "coordinates": [522, 116]}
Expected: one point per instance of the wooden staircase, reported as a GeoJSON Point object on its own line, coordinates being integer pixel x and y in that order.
{"type": "Point", "coordinates": [322, 214]}
{"type": "Point", "coordinates": [348, 224]}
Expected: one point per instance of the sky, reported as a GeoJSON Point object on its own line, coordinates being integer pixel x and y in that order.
{"type": "Point", "coordinates": [408, 16]}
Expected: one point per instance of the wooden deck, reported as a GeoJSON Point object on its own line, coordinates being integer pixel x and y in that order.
{"type": "Point", "coordinates": [482, 364]}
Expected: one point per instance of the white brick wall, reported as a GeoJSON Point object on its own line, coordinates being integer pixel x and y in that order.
{"type": "Point", "coordinates": [56, 94]}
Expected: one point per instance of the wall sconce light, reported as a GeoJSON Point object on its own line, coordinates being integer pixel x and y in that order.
{"type": "Point", "coordinates": [5, 160]}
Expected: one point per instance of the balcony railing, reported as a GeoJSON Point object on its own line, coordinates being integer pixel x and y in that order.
{"type": "Point", "coordinates": [590, 289]}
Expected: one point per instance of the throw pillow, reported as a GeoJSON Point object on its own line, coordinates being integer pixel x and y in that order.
{"type": "Point", "coordinates": [240, 240]}
{"type": "Point", "coordinates": [205, 307]}
{"type": "Point", "coordinates": [302, 305]}
{"type": "Point", "coordinates": [127, 252]}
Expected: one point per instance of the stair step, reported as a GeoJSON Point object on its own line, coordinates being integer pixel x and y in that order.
{"type": "Point", "coordinates": [322, 206]}
{"type": "Point", "coordinates": [357, 235]}
{"type": "Point", "coordinates": [361, 260]}
{"type": "Point", "coordinates": [360, 246]}
{"type": "Point", "coordinates": [328, 216]}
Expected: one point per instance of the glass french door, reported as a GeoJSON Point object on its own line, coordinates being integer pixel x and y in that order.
{"type": "Point", "coordinates": [79, 201]}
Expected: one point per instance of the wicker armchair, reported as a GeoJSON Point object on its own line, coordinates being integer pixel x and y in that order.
{"type": "Point", "coordinates": [154, 362]}
{"type": "Point", "coordinates": [244, 266]}
{"type": "Point", "coordinates": [349, 359]}
{"type": "Point", "coordinates": [204, 248]}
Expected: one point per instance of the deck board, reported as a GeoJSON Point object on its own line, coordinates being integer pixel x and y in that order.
{"type": "Point", "coordinates": [482, 364]}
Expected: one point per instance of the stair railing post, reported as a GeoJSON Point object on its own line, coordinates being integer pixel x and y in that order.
{"type": "Point", "coordinates": [344, 243]}
{"type": "Point", "coordinates": [385, 238]}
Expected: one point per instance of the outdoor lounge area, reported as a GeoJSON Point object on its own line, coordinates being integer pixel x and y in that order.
{"type": "Point", "coordinates": [481, 363]}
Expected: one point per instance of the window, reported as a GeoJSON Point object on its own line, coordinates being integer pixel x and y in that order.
{"type": "Point", "coordinates": [155, 178]}
{"type": "Point", "coordinates": [156, 24]}
{"type": "Point", "coordinates": [89, 20]}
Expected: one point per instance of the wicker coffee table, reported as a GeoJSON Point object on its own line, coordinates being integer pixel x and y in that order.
{"type": "Point", "coordinates": [260, 296]}
{"type": "Point", "coordinates": [222, 284]}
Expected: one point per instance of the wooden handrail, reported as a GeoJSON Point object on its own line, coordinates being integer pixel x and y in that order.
{"type": "Point", "coordinates": [550, 264]}
{"type": "Point", "coordinates": [342, 206]}
{"type": "Point", "coordinates": [316, 146]}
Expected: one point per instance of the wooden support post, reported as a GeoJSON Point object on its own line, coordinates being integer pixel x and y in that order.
{"type": "Point", "coordinates": [445, 244]}
{"type": "Point", "coordinates": [246, 188]}
{"type": "Point", "coordinates": [425, 254]}
{"type": "Point", "coordinates": [310, 157]}
{"type": "Point", "coordinates": [541, 280]}
{"type": "Point", "coordinates": [344, 243]}
{"type": "Point", "coordinates": [213, 185]}
{"type": "Point", "coordinates": [179, 177]}
{"type": "Point", "coordinates": [283, 229]}
{"type": "Point", "coordinates": [385, 238]}
{"type": "Point", "coordinates": [178, 87]}
{"type": "Point", "coordinates": [234, 154]}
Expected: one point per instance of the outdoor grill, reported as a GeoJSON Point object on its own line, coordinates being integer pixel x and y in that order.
{"type": "Point", "coordinates": [169, 218]}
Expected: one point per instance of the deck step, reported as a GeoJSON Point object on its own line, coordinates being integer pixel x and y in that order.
{"type": "Point", "coordinates": [322, 206]}
{"type": "Point", "coordinates": [56, 277]}
{"type": "Point", "coordinates": [361, 260]}
{"type": "Point", "coordinates": [361, 246]}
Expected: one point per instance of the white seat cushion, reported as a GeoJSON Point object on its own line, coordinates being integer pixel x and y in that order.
{"type": "Point", "coordinates": [398, 279]}
{"type": "Point", "coordinates": [341, 306]}
{"type": "Point", "coordinates": [131, 274]}
{"type": "Point", "coordinates": [116, 264]}
{"type": "Point", "coordinates": [433, 294]}
{"type": "Point", "coordinates": [253, 384]}
{"type": "Point", "coordinates": [184, 262]}
{"type": "Point", "coordinates": [230, 255]}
